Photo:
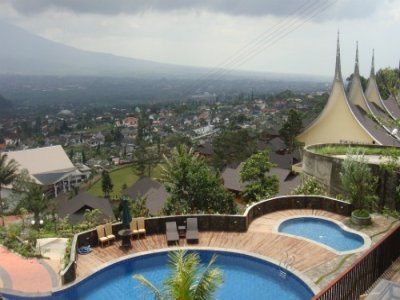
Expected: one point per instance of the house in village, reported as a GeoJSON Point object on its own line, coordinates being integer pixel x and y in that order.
{"type": "Point", "coordinates": [74, 209]}
{"type": "Point", "coordinates": [130, 122]}
{"type": "Point", "coordinates": [49, 167]}
{"type": "Point", "coordinates": [154, 192]}
{"type": "Point", "coordinates": [287, 180]}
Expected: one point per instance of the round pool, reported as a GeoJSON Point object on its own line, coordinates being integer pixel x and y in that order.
{"type": "Point", "coordinates": [245, 277]}
{"type": "Point", "coordinates": [325, 231]}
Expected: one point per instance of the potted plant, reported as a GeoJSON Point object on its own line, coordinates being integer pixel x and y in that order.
{"type": "Point", "coordinates": [359, 186]}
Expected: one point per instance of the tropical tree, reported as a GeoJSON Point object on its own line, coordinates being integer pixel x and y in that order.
{"type": "Point", "coordinates": [291, 128]}
{"type": "Point", "coordinates": [139, 208]}
{"type": "Point", "coordinates": [92, 217]}
{"type": "Point", "coordinates": [106, 184]}
{"type": "Point", "coordinates": [233, 146]}
{"type": "Point", "coordinates": [358, 183]}
{"type": "Point", "coordinates": [388, 81]}
{"type": "Point", "coordinates": [8, 173]}
{"type": "Point", "coordinates": [192, 187]}
{"type": "Point", "coordinates": [139, 164]}
{"type": "Point", "coordinates": [254, 173]}
{"type": "Point", "coordinates": [31, 195]}
{"type": "Point", "coordinates": [309, 186]}
{"type": "Point", "coordinates": [189, 279]}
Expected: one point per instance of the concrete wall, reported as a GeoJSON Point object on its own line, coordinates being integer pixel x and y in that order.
{"type": "Point", "coordinates": [229, 223]}
{"type": "Point", "coordinates": [326, 169]}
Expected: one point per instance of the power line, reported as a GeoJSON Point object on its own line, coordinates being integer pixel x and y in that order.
{"type": "Point", "coordinates": [276, 39]}
{"type": "Point", "coordinates": [305, 12]}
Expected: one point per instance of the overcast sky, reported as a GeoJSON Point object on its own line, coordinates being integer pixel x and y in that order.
{"type": "Point", "coordinates": [285, 36]}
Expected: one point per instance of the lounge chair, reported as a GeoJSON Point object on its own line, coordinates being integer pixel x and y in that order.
{"type": "Point", "coordinates": [140, 224]}
{"type": "Point", "coordinates": [192, 231]}
{"type": "Point", "coordinates": [172, 233]}
{"type": "Point", "coordinates": [134, 227]}
{"type": "Point", "coordinates": [109, 234]}
{"type": "Point", "coordinates": [101, 235]}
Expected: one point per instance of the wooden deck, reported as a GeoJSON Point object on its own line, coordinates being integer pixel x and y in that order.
{"type": "Point", "coordinates": [258, 239]}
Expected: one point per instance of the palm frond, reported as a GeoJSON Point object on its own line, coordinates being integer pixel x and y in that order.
{"type": "Point", "coordinates": [154, 290]}
{"type": "Point", "coordinates": [208, 281]}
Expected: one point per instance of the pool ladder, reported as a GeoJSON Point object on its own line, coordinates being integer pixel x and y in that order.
{"type": "Point", "coordinates": [286, 262]}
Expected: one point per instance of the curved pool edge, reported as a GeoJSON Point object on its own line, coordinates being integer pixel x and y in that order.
{"type": "Point", "coordinates": [307, 281]}
{"type": "Point", "coordinates": [366, 238]}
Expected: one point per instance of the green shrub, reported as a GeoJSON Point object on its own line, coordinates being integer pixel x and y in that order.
{"type": "Point", "coordinates": [309, 186]}
{"type": "Point", "coordinates": [67, 253]}
{"type": "Point", "coordinates": [357, 181]}
{"type": "Point", "coordinates": [361, 213]}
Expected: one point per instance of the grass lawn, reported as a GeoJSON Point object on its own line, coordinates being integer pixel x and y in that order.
{"type": "Point", "coordinates": [120, 177]}
{"type": "Point", "coordinates": [342, 150]}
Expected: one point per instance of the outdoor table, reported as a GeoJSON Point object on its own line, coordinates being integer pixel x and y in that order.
{"type": "Point", "coordinates": [182, 231]}
{"type": "Point", "coordinates": [125, 235]}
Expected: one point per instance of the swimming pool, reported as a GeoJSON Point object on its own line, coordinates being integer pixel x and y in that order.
{"type": "Point", "coordinates": [245, 277]}
{"type": "Point", "coordinates": [325, 231]}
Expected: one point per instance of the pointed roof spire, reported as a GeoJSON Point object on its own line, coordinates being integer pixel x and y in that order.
{"type": "Point", "coordinates": [372, 75]}
{"type": "Point", "coordinates": [338, 71]}
{"type": "Point", "coordinates": [356, 68]}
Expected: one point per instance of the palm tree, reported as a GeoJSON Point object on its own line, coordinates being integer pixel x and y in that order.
{"type": "Point", "coordinates": [186, 282]}
{"type": "Point", "coordinates": [8, 172]}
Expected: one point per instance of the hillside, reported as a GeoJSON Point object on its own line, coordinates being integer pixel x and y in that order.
{"type": "Point", "coordinates": [27, 54]}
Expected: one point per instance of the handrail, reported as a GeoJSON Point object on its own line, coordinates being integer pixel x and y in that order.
{"type": "Point", "coordinates": [208, 222]}
{"type": "Point", "coordinates": [357, 262]}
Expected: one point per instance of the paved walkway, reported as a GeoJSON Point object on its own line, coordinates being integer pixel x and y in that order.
{"type": "Point", "coordinates": [27, 275]}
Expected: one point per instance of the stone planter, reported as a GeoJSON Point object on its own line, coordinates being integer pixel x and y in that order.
{"type": "Point", "coordinates": [360, 220]}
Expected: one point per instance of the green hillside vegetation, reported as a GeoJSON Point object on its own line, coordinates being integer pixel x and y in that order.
{"type": "Point", "coordinates": [342, 150]}
{"type": "Point", "coordinates": [119, 177]}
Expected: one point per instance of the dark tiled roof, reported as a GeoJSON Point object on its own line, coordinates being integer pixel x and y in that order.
{"type": "Point", "coordinates": [283, 161]}
{"type": "Point", "coordinates": [382, 116]}
{"type": "Point", "coordinates": [231, 177]}
{"type": "Point", "coordinates": [287, 181]}
{"type": "Point", "coordinates": [375, 129]}
{"type": "Point", "coordinates": [141, 187]}
{"type": "Point", "coordinates": [155, 193]}
{"type": "Point", "coordinates": [393, 107]}
{"type": "Point", "coordinates": [276, 144]}
{"type": "Point", "coordinates": [155, 199]}
{"type": "Point", "coordinates": [205, 148]}
{"type": "Point", "coordinates": [76, 207]}
{"type": "Point", "coordinates": [50, 178]}
{"type": "Point", "coordinates": [291, 182]}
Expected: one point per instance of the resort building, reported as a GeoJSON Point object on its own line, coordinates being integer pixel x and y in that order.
{"type": "Point", "coordinates": [353, 118]}
{"type": "Point", "coordinates": [49, 167]}
{"type": "Point", "coordinates": [74, 209]}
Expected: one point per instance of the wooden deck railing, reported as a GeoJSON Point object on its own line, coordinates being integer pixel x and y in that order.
{"type": "Point", "coordinates": [229, 223]}
{"type": "Point", "coordinates": [365, 271]}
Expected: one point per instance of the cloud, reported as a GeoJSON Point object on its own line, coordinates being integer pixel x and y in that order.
{"type": "Point", "coordinates": [340, 9]}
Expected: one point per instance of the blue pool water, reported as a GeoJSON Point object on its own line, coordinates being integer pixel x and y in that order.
{"type": "Point", "coordinates": [245, 277]}
{"type": "Point", "coordinates": [322, 231]}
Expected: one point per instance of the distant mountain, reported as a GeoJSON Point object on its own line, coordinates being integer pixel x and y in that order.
{"type": "Point", "coordinates": [24, 53]}
{"type": "Point", "coordinates": [4, 103]}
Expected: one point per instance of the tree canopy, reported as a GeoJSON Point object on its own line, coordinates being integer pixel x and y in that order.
{"type": "Point", "coordinates": [188, 280]}
{"type": "Point", "coordinates": [31, 195]}
{"type": "Point", "coordinates": [291, 128]}
{"type": "Point", "coordinates": [258, 184]}
{"type": "Point", "coordinates": [8, 173]}
{"type": "Point", "coordinates": [192, 187]}
{"type": "Point", "coordinates": [357, 181]}
{"type": "Point", "coordinates": [106, 183]}
{"type": "Point", "coordinates": [388, 81]}
{"type": "Point", "coordinates": [233, 146]}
